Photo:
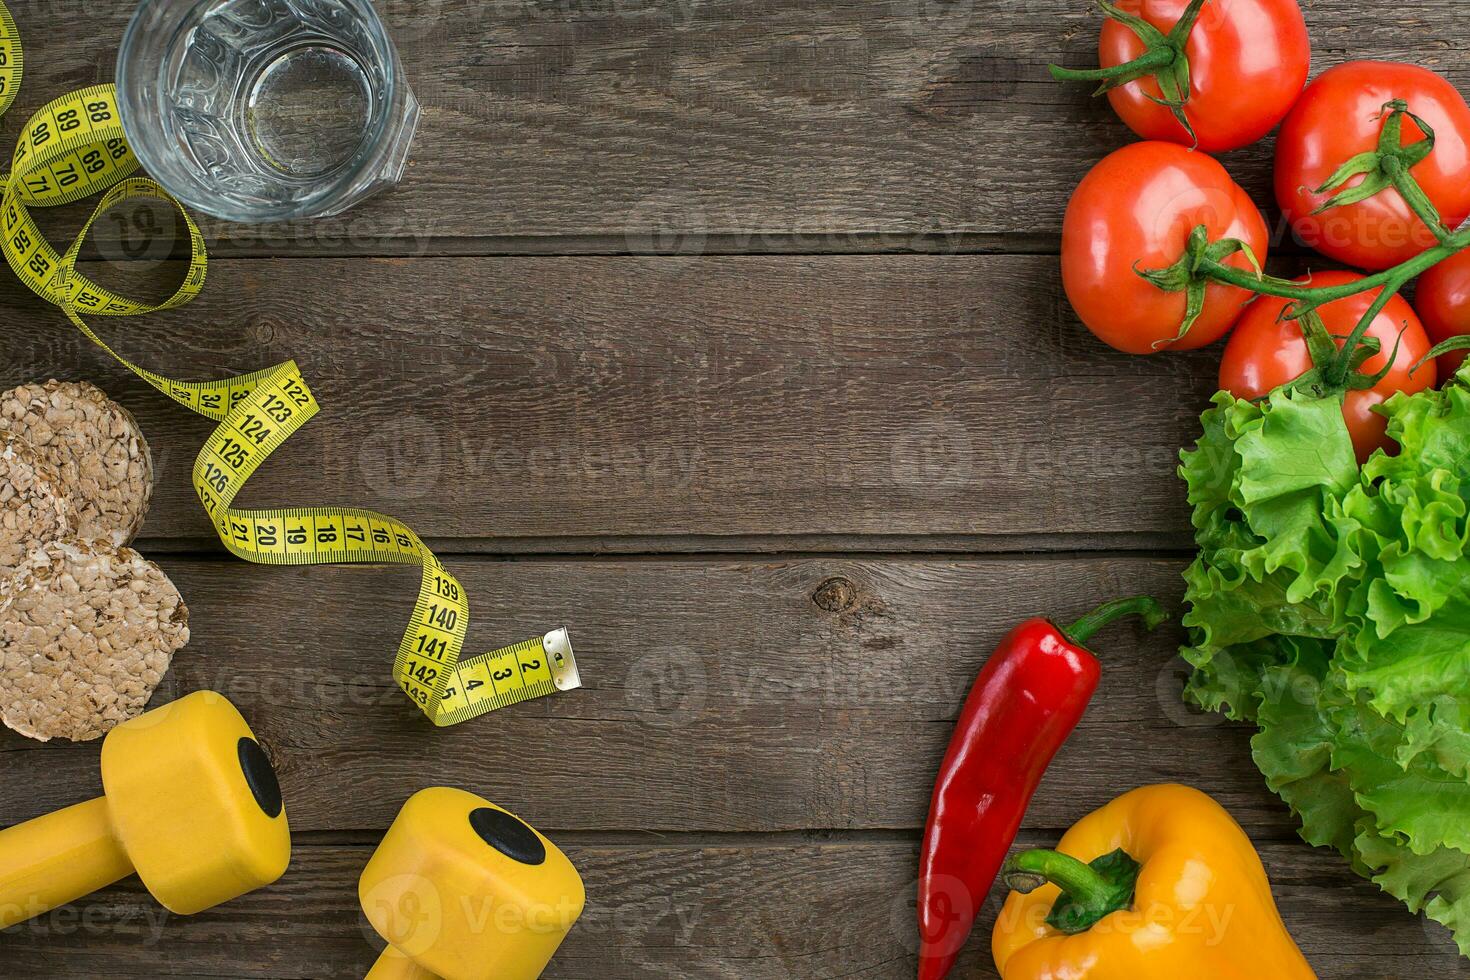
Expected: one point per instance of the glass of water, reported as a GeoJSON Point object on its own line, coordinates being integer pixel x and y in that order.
{"type": "Point", "coordinates": [265, 110]}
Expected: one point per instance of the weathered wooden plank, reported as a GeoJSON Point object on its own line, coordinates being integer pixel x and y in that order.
{"type": "Point", "coordinates": [674, 910]}
{"type": "Point", "coordinates": [721, 695]}
{"type": "Point", "coordinates": [666, 122]}
{"type": "Point", "coordinates": [494, 398]}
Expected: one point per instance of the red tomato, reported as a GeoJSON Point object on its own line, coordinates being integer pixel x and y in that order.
{"type": "Point", "coordinates": [1248, 61]}
{"type": "Point", "coordinates": [1137, 208]}
{"type": "Point", "coordinates": [1266, 352]}
{"type": "Point", "coordinates": [1340, 116]}
{"type": "Point", "coordinates": [1443, 302]}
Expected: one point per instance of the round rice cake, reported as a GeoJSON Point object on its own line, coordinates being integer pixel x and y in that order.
{"type": "Point", "coordinates": [34, 508]}
{"type": "Point", "coordinates": [96, 447]}
{"type": "Point", "coordinates": [87, 632]}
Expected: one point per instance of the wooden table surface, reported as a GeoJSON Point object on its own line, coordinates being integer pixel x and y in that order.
{"type": "Point", "coordinates": [729, 334]}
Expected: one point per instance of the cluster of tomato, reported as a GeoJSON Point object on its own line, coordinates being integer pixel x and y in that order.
{"type": "Point", "coordinates": [1247, 67]}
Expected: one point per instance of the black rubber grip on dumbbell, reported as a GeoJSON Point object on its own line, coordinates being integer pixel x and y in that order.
{"type": "Point", "coordinates": [260, 777]}
{"type": "Point", "coordinates": [508, 835]}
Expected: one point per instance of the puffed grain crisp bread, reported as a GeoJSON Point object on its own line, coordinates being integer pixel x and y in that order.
{"type": "Point", "coordinates": [87, 632]}
{"type": "Point", "coordinates": [34, 508]}
{"type": "Point", "coordinates": [96, 447]}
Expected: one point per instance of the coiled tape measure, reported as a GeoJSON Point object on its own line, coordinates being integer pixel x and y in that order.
{"type": "Point", "coordinates": [74, 147]}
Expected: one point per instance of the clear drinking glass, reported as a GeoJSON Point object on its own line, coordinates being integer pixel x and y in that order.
{"type": "Point", "coordinates": [265, 110]}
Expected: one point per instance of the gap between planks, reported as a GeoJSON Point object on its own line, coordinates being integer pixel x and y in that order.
{"type": "Point", "coordinates": [748, 839]}
{"type": "Point", "coordinates": [979, 547]}
{"type": "Point", "coordinates": [754, 243]}
{"type": "Point", "coordinates": [727, 244]}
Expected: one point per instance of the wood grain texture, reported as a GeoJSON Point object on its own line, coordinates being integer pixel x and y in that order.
{"type": "Point", "coordinates": [743, 778]}
{"type": "Point", "coordinates": [667, 124]}
{"type": "Point", "coordinates": [483, 398]}
{"type": "Point", "coordinates": [675, 910]}
{"type": "Point", "coordinates": [720, 696]}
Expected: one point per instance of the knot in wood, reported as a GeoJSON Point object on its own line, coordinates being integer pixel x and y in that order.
{"type": "Point", "coordinates": [836, 595]}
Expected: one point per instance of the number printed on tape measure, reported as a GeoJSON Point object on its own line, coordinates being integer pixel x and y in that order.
{"type": "Point", "coordinates": [532, 669]}
{"type": "Point", "coordinates": [74, 147]}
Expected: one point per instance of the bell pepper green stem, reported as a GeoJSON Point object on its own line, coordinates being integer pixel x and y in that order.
{"type": "Point", "coordinates": [1153, 614]}
{"type": "Point", "coordinates": [1029, 870]}
{"type": "Point", "coordinates": [1090, 892]}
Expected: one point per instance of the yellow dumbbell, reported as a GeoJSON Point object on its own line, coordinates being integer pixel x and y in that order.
{"type": "Point", "coordinates": [191, 805]}
{"type": "Point", "coordinates": [463, 890]}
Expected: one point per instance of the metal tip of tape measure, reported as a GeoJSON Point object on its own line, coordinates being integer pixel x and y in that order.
{"type": "Point", "coordinates": [558, 645]}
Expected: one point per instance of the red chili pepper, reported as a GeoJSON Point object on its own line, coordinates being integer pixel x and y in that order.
{"type": "Point", "coordinates": [1026, 701]}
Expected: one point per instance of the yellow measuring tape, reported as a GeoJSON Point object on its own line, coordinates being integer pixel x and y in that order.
{"type": "Point", "coordinates": [74, 147]}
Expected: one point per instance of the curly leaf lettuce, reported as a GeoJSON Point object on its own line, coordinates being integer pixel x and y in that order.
{"type": "Point", "coordinates": [1330, 605]}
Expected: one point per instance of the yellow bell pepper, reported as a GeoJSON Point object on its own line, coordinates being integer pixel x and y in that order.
{"type": "Point", "coordinates": [1172, 888]}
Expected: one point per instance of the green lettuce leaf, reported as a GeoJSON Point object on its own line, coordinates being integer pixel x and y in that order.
{"type": "Point", "coordinates": [1294, 748]}
{"type": "Point", "coordinates": [1436, 884]}
{"type": "Point", "coordinates": [1330, 605]}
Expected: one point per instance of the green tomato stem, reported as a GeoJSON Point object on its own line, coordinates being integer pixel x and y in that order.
{"type": "Point", "coordinates": [1309, 296]}
{"type": "Point", "coordinates": [1390, 166]}
{"type": "Point", "coordinates": [1415, 198]}
{"type": "Point", "coordinates": [1337, 371]}
{"type": "Point", "coordinates": [1306, 296]}
{"type": "Point", "coordinates": [1147, 63]}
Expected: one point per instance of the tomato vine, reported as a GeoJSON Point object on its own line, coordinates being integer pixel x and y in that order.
{"type": "Point", "coordinates": [1384, 170]}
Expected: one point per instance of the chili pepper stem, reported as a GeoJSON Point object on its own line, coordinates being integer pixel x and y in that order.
{"type": "Point", "coordinates": [1153, 615]}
